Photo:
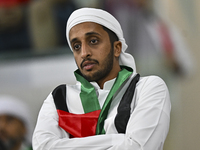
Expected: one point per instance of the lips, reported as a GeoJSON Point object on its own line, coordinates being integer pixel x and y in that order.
{"type": "Point", "coordinates": [88, 65]}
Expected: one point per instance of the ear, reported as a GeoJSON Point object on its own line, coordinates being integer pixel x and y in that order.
{"type": "Point", "coordinates": [117, 48]}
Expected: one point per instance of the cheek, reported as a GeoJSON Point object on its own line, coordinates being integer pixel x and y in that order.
{"type": "Point", "coordinates": [16, 130]}
{"type": "Point", "coordinates": [12, 131]}
{"type": "Point", "coordinates": [77, 60]}
{"type": "Point", "coordinates": [103, 51]}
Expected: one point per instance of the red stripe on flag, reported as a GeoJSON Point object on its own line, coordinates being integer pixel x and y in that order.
{"type": "Point", "coordinates": [79, 125]}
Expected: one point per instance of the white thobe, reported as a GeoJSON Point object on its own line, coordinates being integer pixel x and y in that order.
{"type": "Point", "coordinates": [147, 127]}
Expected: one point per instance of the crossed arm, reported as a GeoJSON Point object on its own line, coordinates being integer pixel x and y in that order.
{"type": "Point", "coordinates": [146, 130]}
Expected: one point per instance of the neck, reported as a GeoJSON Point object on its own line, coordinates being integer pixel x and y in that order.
{"type": "Point", "coordinates": [113, 74]}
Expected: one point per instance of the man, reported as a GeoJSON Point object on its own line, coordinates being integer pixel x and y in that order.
{"type": "Point", "coordinates": [14, 124]}
{"type": "Point", "coordinates": [110, 107]}
{"type": "Point", "coordinates": [14, 27]}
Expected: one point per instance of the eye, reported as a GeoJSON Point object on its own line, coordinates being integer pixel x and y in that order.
{"type": "Point", "coordinates": [94, 41]}
{"type": "Point", "coordinates": [77, 47]}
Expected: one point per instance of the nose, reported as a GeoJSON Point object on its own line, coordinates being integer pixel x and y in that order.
{"type": "Point", "coordinates": [85, 51]}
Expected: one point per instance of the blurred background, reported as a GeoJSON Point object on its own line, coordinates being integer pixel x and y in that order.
{"type": "Point", "coordinates": [162, 35]}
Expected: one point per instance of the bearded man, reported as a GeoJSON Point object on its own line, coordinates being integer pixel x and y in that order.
{"type": "Point", "coordinates": [110, 107]}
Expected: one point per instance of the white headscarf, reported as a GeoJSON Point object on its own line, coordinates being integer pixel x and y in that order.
{"type": "Point", "coordinates": [12, 106]}
{"type": "Point", "coordinates": [103, 18]}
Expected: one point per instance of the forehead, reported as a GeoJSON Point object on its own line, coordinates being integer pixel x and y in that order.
{"type": "Point", "coordinates": [8, 116]}
{"type": "Point", "coordinates": [83, 28]}
{"type": "Point", "coordinates": [11, 118]}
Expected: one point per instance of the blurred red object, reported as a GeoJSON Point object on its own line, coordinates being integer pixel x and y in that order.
{"type": "Point", "coordinates": [10, 3]}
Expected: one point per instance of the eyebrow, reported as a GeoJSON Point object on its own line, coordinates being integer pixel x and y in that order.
{"type": "Point", "coordinates": [73, 40]}
{"type": "Point", "coordinates": [87, 34]}
{"type": "Point", "coordinates": [91, 33]}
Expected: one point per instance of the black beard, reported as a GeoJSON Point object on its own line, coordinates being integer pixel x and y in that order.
{"type": "Point", "coordinates": [100, 74]}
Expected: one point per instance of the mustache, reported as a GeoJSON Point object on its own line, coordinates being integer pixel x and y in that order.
{"type": "Point", "coordinates": [89, 59]}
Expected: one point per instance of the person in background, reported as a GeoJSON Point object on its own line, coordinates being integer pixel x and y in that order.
{"type": "Point", "coordinates": [48, 23]}
{"type": "Point", "coordinates": [62, 10]}
{"type": "Point", "coordinates": [14, 28]}
{"type": "Point", "coordinates": [14, 124]}
{"type": "Point", "coordinates": [110, 107]}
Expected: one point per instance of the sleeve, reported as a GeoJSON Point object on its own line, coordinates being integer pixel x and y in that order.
{"type": "Point", "coordinates": [149, 122]}
{"type": "Point", "coordinates": [49, 136]}
{"type": "Point", "coordinates": [146, 130]}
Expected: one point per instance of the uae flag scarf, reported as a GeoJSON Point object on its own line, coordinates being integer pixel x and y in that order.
{"type": "Point", "coordinates": [92, 121]}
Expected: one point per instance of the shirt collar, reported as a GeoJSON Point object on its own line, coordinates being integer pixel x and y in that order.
{"type": "Point", "coordinates": [107, 85]}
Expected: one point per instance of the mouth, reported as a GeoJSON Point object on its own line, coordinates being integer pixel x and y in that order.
{"type": "Point", "coordinates": [88, 64]}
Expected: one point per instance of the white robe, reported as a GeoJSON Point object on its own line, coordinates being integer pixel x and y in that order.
{"type": "Point", "coordinates": [146, 130]}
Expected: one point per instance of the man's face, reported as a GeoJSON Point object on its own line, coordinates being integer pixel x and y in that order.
{"type": "Point", "coordinates": [92, 51]}
{"type": "Point", "coordinates": [12, 130]}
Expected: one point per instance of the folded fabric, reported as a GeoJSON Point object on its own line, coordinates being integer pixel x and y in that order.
{"type": "Point", "coordinates": [79, 125]}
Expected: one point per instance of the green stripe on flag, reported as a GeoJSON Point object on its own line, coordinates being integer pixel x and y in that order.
{"type": "Point", "coordinates": [88, 94]}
